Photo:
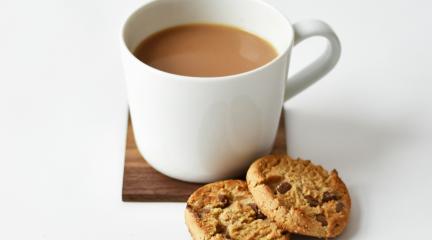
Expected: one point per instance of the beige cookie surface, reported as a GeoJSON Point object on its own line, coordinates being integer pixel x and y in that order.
{"type": "Point", "coordinates": [299, 196]}
{"type": "Point", "coordinates": [226, 210]}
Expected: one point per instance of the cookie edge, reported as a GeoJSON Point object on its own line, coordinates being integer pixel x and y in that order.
{"type": "Point", "coordinates": [193, 226]}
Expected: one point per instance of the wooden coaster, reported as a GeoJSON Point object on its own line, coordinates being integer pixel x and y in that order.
{"type": "Point", "coordinates": [141, 183]}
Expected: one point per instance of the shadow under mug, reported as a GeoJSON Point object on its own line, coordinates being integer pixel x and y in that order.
{"type": "Point", "coordinates": [202, 129]}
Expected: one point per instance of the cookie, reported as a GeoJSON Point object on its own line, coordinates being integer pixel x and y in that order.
{"type": "Point", "coordinates": [226, 210]}
{"type": "Point", "coordinates": [299, 196]}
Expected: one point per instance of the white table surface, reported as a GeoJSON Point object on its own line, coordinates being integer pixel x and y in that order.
{"type": "Point", "coordinates": [63, 119]}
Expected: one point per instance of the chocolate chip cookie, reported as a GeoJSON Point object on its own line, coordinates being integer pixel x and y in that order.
{"type": "Point", "coordinates": [299, 196]}
{"type": "Point", "coordinates": [226, 210]}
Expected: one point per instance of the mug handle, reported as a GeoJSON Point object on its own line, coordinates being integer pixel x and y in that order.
{"type": "Point", "coordinates": [321, 66]}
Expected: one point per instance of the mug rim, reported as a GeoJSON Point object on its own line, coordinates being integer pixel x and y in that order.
{"type": "Point", "coordinates": [216, 78]}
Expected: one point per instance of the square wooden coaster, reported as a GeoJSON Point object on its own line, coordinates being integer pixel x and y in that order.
{"type": "Point", "coordinates": [141, 183]}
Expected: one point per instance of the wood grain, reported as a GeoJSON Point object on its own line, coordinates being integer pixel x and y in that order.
{"type": "Point", "coordinates": [141, 183]}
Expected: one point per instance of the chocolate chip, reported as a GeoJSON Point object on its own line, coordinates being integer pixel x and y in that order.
{"type": "Point", "coordinates": [339, 206]}
{"type": "Point", "coordinates": [328, 196]}
{"type": "Point", "coordinates": [220, 228]}
{"type": "Point", "coordinates": [312, 201]}
{"type": "Point", "coordinates": [283, 187]}
{"type": "Point", "coordinates": [322, 219]}
{"type": "Point", "coordinates": [258, 213]}
{"type": "Point", "coordinates": [224, 199]}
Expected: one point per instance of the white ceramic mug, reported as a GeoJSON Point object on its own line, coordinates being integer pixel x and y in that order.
{"type": "Point", "coordinates": [203, 129]}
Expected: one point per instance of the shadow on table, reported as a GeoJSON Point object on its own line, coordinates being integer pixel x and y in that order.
{"type": "Point", "coordinates": [343, 141]}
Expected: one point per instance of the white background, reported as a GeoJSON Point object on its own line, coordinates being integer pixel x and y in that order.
{"type": "Point", "coordinates": [63, 117]}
